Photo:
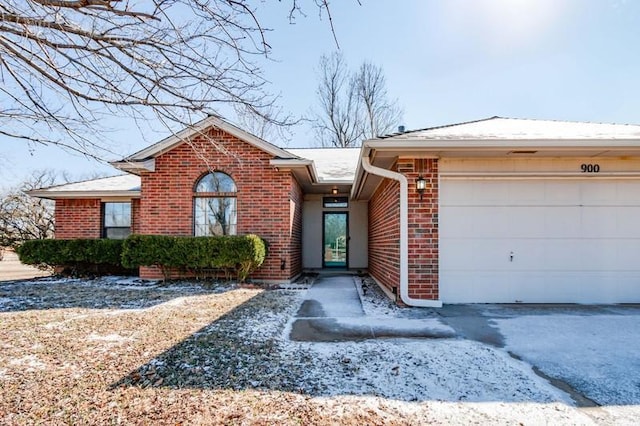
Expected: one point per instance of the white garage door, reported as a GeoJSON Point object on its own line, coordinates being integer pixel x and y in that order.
{"type": "Point", "coordinates": [533, 241]}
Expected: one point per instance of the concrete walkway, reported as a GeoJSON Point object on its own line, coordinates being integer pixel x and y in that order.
{"type": "Point", "coordinates": [332, 312]}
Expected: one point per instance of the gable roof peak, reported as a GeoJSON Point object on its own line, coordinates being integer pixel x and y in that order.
{"type": "Point", "coordinates": [211, 121]}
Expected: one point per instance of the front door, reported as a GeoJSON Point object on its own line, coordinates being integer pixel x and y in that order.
{"type": "Point", "coordinates": [335, 231]}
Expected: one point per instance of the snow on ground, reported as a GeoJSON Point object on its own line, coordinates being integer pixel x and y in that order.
{"type": "Point", "coordinates": [247, 352]}
{"type": "Point", "coordinates": [598, 355]}
{"type": "Point", "coordinates": [374, 302]}
{"type": "Point", "coordinates": [99, 293]}
{"type": "Point", "coordinates": [397, 324]}
{"type": "Point", "coordinates": [424, 370]}
{"type": "Point", "coordinates": [109, 338]}
{"type": "Point", "coordinates": [29, 362]}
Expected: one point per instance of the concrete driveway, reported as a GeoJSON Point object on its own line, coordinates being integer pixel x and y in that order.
{"type": "Point", "coordinates": [590, 351]}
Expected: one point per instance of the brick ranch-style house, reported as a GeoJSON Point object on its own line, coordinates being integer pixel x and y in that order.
{"type": "Point", "coordinates": [496, 210]}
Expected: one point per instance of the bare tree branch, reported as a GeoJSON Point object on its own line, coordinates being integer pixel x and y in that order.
{"type": "Point", "coordinates": [352, 106]}
{"type": "Point", "coordinates": [66, 65]}
{"type": "Point", "coordinates": [26, 218]}
{"type": "Point", "coordinates": [381, 114]}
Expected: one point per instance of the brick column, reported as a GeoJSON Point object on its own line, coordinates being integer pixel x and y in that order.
{"type": "Point", "coordinates": [423, 228]}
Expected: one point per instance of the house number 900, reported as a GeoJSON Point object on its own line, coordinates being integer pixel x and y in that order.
{"type": "Point", "coordinates": [590, 168]}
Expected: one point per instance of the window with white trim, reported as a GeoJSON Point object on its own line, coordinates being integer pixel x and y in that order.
{"type": "Point", "coordinates": [214, 205]}
{"type": "Point", "coordinates": [116, 220]}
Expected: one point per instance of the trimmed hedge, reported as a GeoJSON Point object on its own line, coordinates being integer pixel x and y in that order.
{"type": "Point", "coordinates": [75, 257]}
{"type": "Point", "coordinates": [231, 254]}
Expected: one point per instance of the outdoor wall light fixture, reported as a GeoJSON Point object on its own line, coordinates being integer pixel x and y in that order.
{"type": "Point", "coordinates": [421, 185]}
{"type": "Point", "coordinates": [334, 191]}
{"type": "Point", "coordinates": [421, 182]}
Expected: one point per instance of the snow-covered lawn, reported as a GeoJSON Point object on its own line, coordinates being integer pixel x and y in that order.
{"type": "Point", "coordinates": [120, 351]}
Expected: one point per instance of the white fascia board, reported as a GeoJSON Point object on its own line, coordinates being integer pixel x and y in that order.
{"type": "Point", "coordinates": [334, 182]}
{"type": "Point", "coordinates": [482, 144]}
{"type": "Point", "coordinates": [359, 176]}
{"type": "Point", "coordinates": [148, 165]}
{"type": "Point", "coordinates": [170, 142]}
{"type": "Point", "coordinates": [293, 163]}
{"type": "Point", "coordinates": [54, 195]}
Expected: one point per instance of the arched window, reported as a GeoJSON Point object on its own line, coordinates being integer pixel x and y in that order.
{"type": "Point", "coordinates": [214, 205]}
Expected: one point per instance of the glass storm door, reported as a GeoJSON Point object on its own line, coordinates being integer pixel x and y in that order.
{"type": "Point", "coordinates": [335, 231]}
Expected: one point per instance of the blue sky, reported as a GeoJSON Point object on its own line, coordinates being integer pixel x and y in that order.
{"type": "Point", "coordinates": [445, 62]}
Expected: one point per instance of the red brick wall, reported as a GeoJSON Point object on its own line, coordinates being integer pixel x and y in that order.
{"type": "Point", "coordinates": [384, 234]}
{"type": "Point", "coordinates": [263, 197]}
{"type": "Point", "coordinates": [135, 216]}
{"type": "Point", "coordinates": [295, 225]}
{"type": "Point", "coordinates": [78, 219]}
{"type": "Point", "coordinates": [384, 230]}
{"type": "Point", "coordinates": [423, 230]}
{"type": "Point", "coordinates": [82, 218]}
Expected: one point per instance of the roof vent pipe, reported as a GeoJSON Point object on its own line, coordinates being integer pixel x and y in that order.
{"type": "Point", "coordinates": [400, 129]}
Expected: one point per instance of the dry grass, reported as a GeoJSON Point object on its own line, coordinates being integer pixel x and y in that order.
{"type": "Point", "coordinates": [87, 353]}
{"type": "Point", "coordinates": [124, 352]}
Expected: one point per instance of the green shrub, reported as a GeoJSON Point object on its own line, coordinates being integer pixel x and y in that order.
{"type": "Point", "coordinates": [75, 257]}
{"type": "Point", "coordinates": [230, 254]}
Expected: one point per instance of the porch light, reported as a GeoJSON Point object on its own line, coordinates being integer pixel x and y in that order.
{"type": "Point", "coordinates": [421, 185]}
{"type": "Point", "coordinates": [334, 191]}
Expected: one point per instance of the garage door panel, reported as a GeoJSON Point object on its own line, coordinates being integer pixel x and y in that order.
{"type": "Point", "coordinates": [490, 222]}
{"type": "Point", "coordinates": [627, 255]}
{"type": "Point", "coordinates": [599, 222]}
{"type": "Point", "coordinates": [627, 220]}
{"type": "Point", "coordinates": [550, 287]}
{"type": "Point", "coordinates": [456, 191]}
{"type": "Point", "coordinates": [561, 222]}
{"type": "Point", "coordinates": [598, 255]}
{"type": "Point", "coordinates": [476, 193]}
{"type": "Point", "coordinates": [489, 193]}
{"type": "Point", "coordinates": [599, 192]}
{"type": "Point", "coordinates": [470, 286]}
{"type": "Point", "coordinates": [525, 193]}
{"type": "Point", "coordinates": [572, 241]}
{"type": "Point", "coordinates": [473, 255]}
{"type": "Point", "coordinates": [539, 222]}
{"type": "Point", "coordinates": [628, 193]}
{"type": "Point", "coordinates": [487, 223]}
{"type": "Point", "coordinates": [601, 287]}
{"type": "Point", "coordinates": [522, 222]}
{"type": "Point", "coordinates": [537, 254]}
{"type": "Point", "coordinates": [540, 287]}
{"type": "Point", "coordinates": [561, 193]}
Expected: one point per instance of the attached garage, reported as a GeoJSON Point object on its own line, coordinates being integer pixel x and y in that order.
{"type": "Point", "coordinates": [505, 210]}
{"type": "Point", "coordinates": [537, 231]}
